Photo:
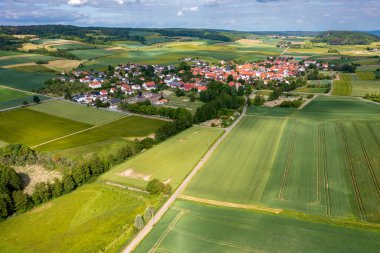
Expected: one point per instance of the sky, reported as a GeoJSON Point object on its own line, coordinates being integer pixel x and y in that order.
{"type": "Point", "coordinates": [243, 15]}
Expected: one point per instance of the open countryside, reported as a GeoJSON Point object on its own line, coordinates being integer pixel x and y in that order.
{"type": "Point", "coordinates": [253, 126]}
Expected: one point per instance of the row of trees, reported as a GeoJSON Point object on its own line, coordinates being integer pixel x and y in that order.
{"type": "Point", "coordinates": [14, 200]}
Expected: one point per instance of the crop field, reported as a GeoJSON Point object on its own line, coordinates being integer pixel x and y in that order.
{"type": "Point", "coordinates": [9, 53]}
{"type": "Point", "coordinates": [12, 98]}
{"type": "Point", "coordinates": [343, 86]}
{"type": "Point", "coordinates": [127, 128]}
{"type": "Point", "coordinates": [9, 94]}
{"type": "Point", "coordinates": [339, 108]}
{"type": "Point", "coordinates": [96, 217]}
{"type": "Point", "coordinates": [184, 102]}
{"type": "Point", "coordinates": [361, 88]}
{"type": "Point", "coordinates": [31, 127]}
{"type": "Point", "coordinates": [322, 160]}
{"type": "Point", "coordinates": [73, 46]}
{"type": "Point", "coordinates": [23, 80]}
{"type": "Point", "coordinates": [369, 67]}
{"type": "Point", "coordinates": [33, 68]}
{"type": "Point", "coordinates": [26, 59]}
{"type": "Point", "coordinates": [77, 112]}
{"type": "Point", "coordinates": [62, 65]}
{"type": "Point", "coordinates": [170, 161]}
{"type": "Point", "coordinates": [272, 112]}
{"type": "Point", "coordinates": [365, 75]}
{"type": "Point", "coordinates": [171, 52]}
{"type": "Point", "coordinates": [192, 227]}
{"type": "Point", "coordinates": [239, 169]}
{"type": "Point", "coordinates": [92, 53]}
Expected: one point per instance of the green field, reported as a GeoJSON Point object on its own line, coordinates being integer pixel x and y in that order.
{"type": "Point", "coordinates": [9, 94]}
{"type": "Point", "coordinates": [11, 98]}
{"type": "Point", "coordinates": [171, 160]}
{"type": "Point", "coordinates": [369, 67]}
{"type": "Point", "coordinates": [365, 75]}
{"type": "Point", "coordinates": [94, 218]}
{"type": "Point", "coordinates": [361, 88]}
{"type": "Point", "coordinates": [26, 59]}
{"type": "Point", "coordinates": [126, 128]}
{"type": "Point", "coordinates": [23, 80]}
{"type": "Point", "coordinates": [321, 160]}
{"type": "Point", "coordinates": [92, 53]}
{"type": "Point", "coordinates": [31, 127]}
{"type": "Point", "coordinates": [343, 86]}
{"type": "Point", "coordinates": [184, 102]}
{"type": "Point", "coordinates": [240, 167]}
{"type": "Point", "coordinates": [77, 112]}
{"type": "Point", "coordinates": [191, 227]}
{"type": "Point", "coordinates": [9, 53]}
{"type": "Point", "coordinates": [34, 68]}
{"type": "Point", "coordinates": [73, 46]}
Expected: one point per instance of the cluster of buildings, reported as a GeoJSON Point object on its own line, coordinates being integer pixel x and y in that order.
{"type": "Point", "coordinates": [129, 79]}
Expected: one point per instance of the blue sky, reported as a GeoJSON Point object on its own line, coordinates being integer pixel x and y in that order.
{"type": "Point", "coordinates": [245, 15]}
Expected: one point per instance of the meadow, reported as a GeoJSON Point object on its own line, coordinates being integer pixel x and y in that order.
{"type": "Point", "coordinates": [343, 86]}
{"type": "Point", "coordinates": [92, 53]}
{"type": "Point", "coordinates": [127, 128]}
{"type": "Point", "coordinates": [11, 98]}
{"type": "Point", "coordinates": [23, 80]}
{"type": "Point", "coordinates": [31, 127]}
{"type": "Point", "coordinates": [9, 94]}
{"type": "Point", "coordinates": [192, 227]}
{"type": "Point", "coordinates": [170, 161]}
{"type": "Point", "coordinates": [361, 88]}
{"type": "Point", "coordinates": [77, 112]}
{"type": "Point", "coordinates": [26, 59]}
{"type": "Point", "coordinates": [95, 217]}
{"type": "Point", "coordinates": [320, 160]}
{"type": "Point", "coordinates": [183, 102]}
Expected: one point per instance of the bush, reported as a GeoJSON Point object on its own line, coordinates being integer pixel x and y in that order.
{"type": "Point", "coordinates": [139, 222]}
{"type": "Point", "coordinates": [155, 186]}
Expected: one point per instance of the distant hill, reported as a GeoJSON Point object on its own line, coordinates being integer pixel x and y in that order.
{"type": "Point", "coordinates": [375, 32]}
{"type": "Point", "coordinates": [346, 38]}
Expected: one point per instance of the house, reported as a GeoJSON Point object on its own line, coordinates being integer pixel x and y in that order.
{"type": "Point", "coordinates": [103, 92]}
{"type": "Point", "coordinates": [114, 102]}
{"type": "Point", "coordinates": [95, 85]}
{"type": "Point", "coordinates": [136, 87]}
{"type": "Point", "coordinates": [113, 90]}
{"type": "Point", "coordinates": [149, 86]}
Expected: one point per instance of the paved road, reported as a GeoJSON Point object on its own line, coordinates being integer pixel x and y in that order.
{"type": "Point", "coordinates": [149, 226]}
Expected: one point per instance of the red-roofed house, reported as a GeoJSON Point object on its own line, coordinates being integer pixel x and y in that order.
{"type": "Point", "coordinates": [95, 85]}
{"type": "Point", "coordinates": [149, 86]}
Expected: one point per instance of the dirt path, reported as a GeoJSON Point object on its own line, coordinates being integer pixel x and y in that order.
{"type": "Point", "coordinates": [81, 131]}
{"type": "Point", "coordinates": [228, 204]}
{"type": "Point", "coordinates": [19, 65]}
{"type": "Point", "coordinates": [125, 187]}
{"type": "Point", "coordinates": [156, 218]}
{"type": "Point", "coordinates": [14, 56]}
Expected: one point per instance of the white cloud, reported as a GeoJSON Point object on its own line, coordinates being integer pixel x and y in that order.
{"type": "Point", "coordinates": [195, 8]}
{"type": "Point", "coordinates": [76, 2]}
{"type": "Point", "coordinates": [180, 13]}
{"type": "Point", "coordinates": [119, 1]}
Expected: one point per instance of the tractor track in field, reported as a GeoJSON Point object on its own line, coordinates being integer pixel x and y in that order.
{"type": "Point", "coordinates": [318, 169]}
{"type": "Point", "coordinates": [229, 204]}
{"type": "Point", "coordinates": [322, 153]}
{"type": "Point", "coordinates": [288, 160]}
{"type": "Point", "coordinates": [352, 173]}
{"type": "Point", "coordinates": [373, 134]}
{"type": "Point", "coordinates": [368, 161]}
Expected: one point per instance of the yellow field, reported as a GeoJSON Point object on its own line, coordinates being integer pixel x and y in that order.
{"type": "Point", "coordinates": [61, 65]}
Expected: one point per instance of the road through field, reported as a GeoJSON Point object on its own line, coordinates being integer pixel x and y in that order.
{"type": "Point", "coordinates": [149, 226]}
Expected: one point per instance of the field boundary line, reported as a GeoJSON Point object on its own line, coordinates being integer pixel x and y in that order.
{"type": "Point", "coordinates": [156, 218]}
{"type": "Point", "coordinates": [288, 159]}
{"type": "Point", "coordinates": [373, 134]}
{"type": "Point", "coordinates": [229, 204]}
{"type": "Point", "coordinates": [322, 153]}
{"type": "Point", "coordinates": [78, 132]}
{"type": "Point", "coordinates": [352, 173]}
{"type": "Point", "coordinates": [368, 161]}
{"type": "Point", "coordinates": [223, 243]}
{"type": "Point", "coordinates": [167, 231]}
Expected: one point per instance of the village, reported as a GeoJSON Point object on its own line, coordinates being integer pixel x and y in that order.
{"type": "Point", "coordinates": [132, 83]}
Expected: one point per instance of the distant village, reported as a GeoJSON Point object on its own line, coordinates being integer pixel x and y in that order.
{"type": "Point", "coordinates": [130, 81]}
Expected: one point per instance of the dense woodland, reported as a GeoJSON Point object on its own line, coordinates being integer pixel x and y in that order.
{"type": "Point", "coordinates": [346, 38]}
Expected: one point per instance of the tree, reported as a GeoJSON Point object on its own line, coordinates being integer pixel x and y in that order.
{"type": "Point", "coordinates": [9, 180]}
{"type": "Point", "coordinates": [139, 222]}
{"type": "Point", "coordinates": [192, 97]}
{"type": "Point", "coordinates": [68, 183]}
{"type": "Point", "coordinates": [230, 78]}
{"type": "Point", "coordinates": [149, 212]}
{"type": "Point", "coordinates": [5, 205]}
{"type": "Point", "coordinates": [36, 99]}
{"type": "Point", "coordinates": [155, 186]}
{"type": "Point", "coordinates": [24, 103]}
{"type": "Point", "coordinates": [22, 201]}
{"type": "Point", "coordinates": [56, 188]}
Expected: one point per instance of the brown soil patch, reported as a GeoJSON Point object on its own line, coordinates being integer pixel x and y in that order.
{"type": "Point", "coordinates": [33, 174]}
{"type": "Point", "coordinates": [249, 42]}
{"type": "Point", "coordinates": [61, 65]}
{"type": "Point", "coordinates": [131, 174]}
{"type": "Point", "coordinates": [113, 48]}
{"type": "Point", "coordinates": [19, 65]}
